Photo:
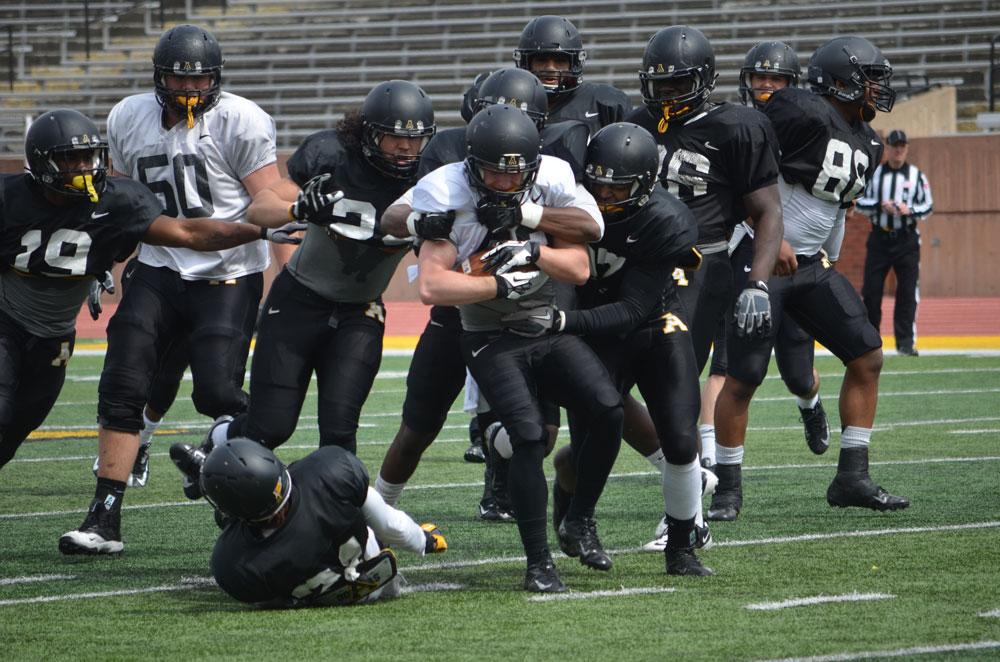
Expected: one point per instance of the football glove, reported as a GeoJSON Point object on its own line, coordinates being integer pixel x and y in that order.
{"type": "Point", "coordinates": [435, 542]}
{"type": "Point", "coordinates": [284, 234]}
{"type": "Point", "coordinates": [514, 284]}
{"type": "Point", "coordinates": [753, 310]}
{"type": "Point", "coordinates": [500, 220]}
{"type": "Point", "coordinates": [534, 321]}
{"type": "Point", "coordinates": [511, 254]}
{"type": "Point", "coordinates": [102, 284]}
{"type": "Point", "coordinates": [430, 226]}
{"type": "Point", "coordinates": [313, 204]}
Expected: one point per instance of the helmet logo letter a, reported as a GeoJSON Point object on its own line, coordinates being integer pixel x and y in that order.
{"type": "Point", "coordinates": [409, 125]}
{"type": "Point", "coordinates": [277, 490]}
{"type": "Point", "coordinates": [659, 69]}
{"type": "Point", "coordinates": [598, 171]}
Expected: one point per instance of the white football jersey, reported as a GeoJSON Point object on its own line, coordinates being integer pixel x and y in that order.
{"type": "Point", "coordinates": [196, 173]}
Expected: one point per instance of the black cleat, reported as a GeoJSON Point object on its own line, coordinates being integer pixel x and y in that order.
{"type": "Point", "coordinates": [817, 429]}
{"type": "Point", "coordinates": [475, 453]}
{"type": "Point", "coordinates": [560, 504]}
{"type": "Point", "coordinates": [189, 459]}
{"type": "Point", "coordinates": [682, 561]}
{"type": "Point", "coordinates": [541, 577]}
{"type": "Point", "coordinates": [578, 538]}
{"type": "Point", "coordinates": [728, 498]}
{"type": "Point", "coordinates": [907, 351]}
{"type": "Point", "coordinates": [100, 533]}
{"type": "Point", "coordinates": [490, 510]}
{"type": "Point", "coordinates": [853, 487]}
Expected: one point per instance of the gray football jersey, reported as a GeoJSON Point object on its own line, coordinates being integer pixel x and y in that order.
{"type": "Point", "coordinates": [447, 188]}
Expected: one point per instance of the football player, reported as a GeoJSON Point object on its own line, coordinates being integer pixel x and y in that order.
{"type": "Point", "coordinates": [627, 314]}
{"type": "Point", "coordinates": [437, 370]}
{"type": "Point", "coordinates": [324, 313]}
{"type": "Point", "coordinates": [306, 535]}
{"type": "Point", "coordinates": [62, 224]}
{"type": "Point", "coordinates": [551, 48]}
{"type": "Point", "coordinates": [499, 195]}
{"type": "Point", "coordinates": [204, 153]}
{"type": "Point", "coordinates": [828, 154]}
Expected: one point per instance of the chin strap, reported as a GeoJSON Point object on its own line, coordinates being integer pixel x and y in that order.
{"type": "Point", "coordinates": [85, 183]}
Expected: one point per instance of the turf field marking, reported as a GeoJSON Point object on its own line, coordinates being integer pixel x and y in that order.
{"type": "Point", "coordinates": [986, 431]}
{"type": "Point", "coordinates": [32, 579]}
{"type": "Point", "coordinates": [430, 587]}
{"type": "Point", "coordinates": [817, 600]}
{"type": "Point", "coordinates": [993, 613]}
{"type": "Point", "coordinates": [184, 585]}
{"type": "Point", "coordinates": [587, 595]}
{"type": "Point", "coordinates": [897, 652]}
{"type": "Point", "coordinates": [810, 537]}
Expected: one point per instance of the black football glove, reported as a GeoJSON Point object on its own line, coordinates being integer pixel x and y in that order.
{"type": "Point", "coordinates": [534, 321]}
{"type": "Point", "coordinates": [284, 234]}
{"type": "Point", "coordinates": [499, 220]}
{"type": "Point", "coordinates": [313, 203]}
{"type": "Point", "coordinates": [513, 284]}
{"type": "Point", "coordinates": [431, 226]}
{"type": "Point", "coordinates": [511, 254]}
{"type": "Point", "coordinates": [753, 310]}
{"type": "Point", "coordinates": [102, 284]}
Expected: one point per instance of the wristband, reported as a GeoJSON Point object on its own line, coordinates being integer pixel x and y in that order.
{"type": "Point", "coordinates": [531, 215]}
{"type": "Point", "coordinates": [263, 233]}
{"type": "Point", "coordinates": [411, 223]}
{"type": "Point", "coordinates": [561, 324]}
{"type": "Point", "coordinates": [758, 285]}
{"type": "Point", "coordinates": [291, 213]}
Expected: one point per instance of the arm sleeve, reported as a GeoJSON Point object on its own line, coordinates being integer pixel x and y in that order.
{"type": "Point", "coordinates": [641, 289]}
{"type": "Point", "coordinates": [836, 238]}
{"type": "Point", "coordinates": [393, 527]}
{"type": "Point", "coordinates": [923, 202]}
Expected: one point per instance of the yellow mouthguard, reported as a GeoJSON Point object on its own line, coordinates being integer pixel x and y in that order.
{"type": "Point", "coordinates": [189, 103]}
{"type": "Point", "coordinates": [668, 115]}
{"type": "Point", "coordinates": [85, 183]}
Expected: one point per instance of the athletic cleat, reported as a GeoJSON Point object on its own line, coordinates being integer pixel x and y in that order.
{"type": "Point", "coordinates": [907, 351]}
{"type": "Point", "coordinates": [476, 452]}
{"type": "Point", "coordinates": [434, 542]}
{"type": "Point", "coordinates": [140, 470]}
{"type": "Point", "coordinates": [728, 498]}
{"type": "Point", "coordinates": [682, 561]}
{"type": "Point", "coordinates": [578, 538]}
{"type": "Point", "coordinates": [541, 577]}
{"type": "Point", "coordinates": [560, 504]}
{"type": "Point", "coordinates": [709, 481]}
{"type": "Point", "coordinates": [188, 460]}
{"type": "Point", "coordinates": [817, 429]}
{"type": "Point", "coordinates": [853, 487]}
{"type": "Point", "coordinates": [703, 538]}
{"type": "Point", "coordinates": [100, 533]}
{"type": "Point", "coordinates": [491, 511]}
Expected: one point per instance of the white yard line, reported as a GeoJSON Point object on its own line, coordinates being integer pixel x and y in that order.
{"type": "Point", "coordinates": [896, 652]}
{"type": "Point", "coordinates": [986, 431]}
{"type": "Point", "coordinates": [589, 595]}
{"type": "Point", "coordinates": [34, 579]}
{"type": "Point", "coordinates": [184, 585]}
{"type": "Point", "coordinates": [993, 613]}
{"type": "Point", "coordinates": [430, 587]}
{"type": "Point", "coordinates": [817, 600]}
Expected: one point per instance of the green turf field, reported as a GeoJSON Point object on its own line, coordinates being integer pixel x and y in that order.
{"type": "Point", "coordinates": [921, 581]}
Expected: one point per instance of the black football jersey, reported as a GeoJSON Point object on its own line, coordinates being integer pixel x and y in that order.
{"type": "Point", "coordinates": [302, 558]}
{"type": "Point", "coordinates": [713, 159]}
{"type": "Point", "coordinates": [595, 104]}
{"type": "Point", "coordinates": [337, 268]}
{"type": "Point", "coordinates": [829, 156]}
{"type": "Point", "coordinates": [49, 253]}
{"type": "Point", "coordinates": [631, 268]}
{"type": "Point", "coordinates": [447, 146]}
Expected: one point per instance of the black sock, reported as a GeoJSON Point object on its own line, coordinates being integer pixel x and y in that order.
{"type": "Point", "coordinates": [680, 533]}
{"type": "Point", "coordinates": [109, 493]}
{"type": "Point", "coordinates": [529, 496]}
{"type": "Point", "coordinates": [595, 457]}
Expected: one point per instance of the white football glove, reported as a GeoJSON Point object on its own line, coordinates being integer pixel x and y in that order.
{"type": "Point", "coordinates": [753, 310]}
{"type": "Point", "coordinates": [511, 254]}
{"type": "Point", "coordinates": [284, 234]}
{"type": "Point", "coordinates": [101, 284]}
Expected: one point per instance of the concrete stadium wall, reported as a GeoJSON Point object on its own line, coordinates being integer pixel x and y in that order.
{"type": "Point", "coordinates": [961, 240]}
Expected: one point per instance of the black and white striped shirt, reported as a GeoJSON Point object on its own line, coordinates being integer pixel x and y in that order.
{"type": "Point", "coordinates": [908, 186]}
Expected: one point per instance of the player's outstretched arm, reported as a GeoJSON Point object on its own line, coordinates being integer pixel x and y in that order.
{"type": "Point", "coordinates": [206, 234]}
{"type": "Point", "coordinates": [764, 208]}
{"type": "Point", "coordinates": [270, 206]}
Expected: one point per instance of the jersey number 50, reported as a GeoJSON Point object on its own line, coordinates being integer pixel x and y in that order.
{"type": "Point", "coordinates": [842, 176]}
{"type": "Point", "coordinates": [163, 188]}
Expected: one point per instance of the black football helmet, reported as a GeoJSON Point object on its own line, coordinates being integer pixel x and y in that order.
{"type": "Point", "coordinates": [518, 88]}
{"type": "Point", "coordinates": [848, 68]}
{"type": "Point", "coordinates": [768, 57]}
{"type": "Point", "coordinates": [400, 108]}
{"type": "Point", "coordinates": [471, 95]}
{"type": "Point", "coordinates": [244, 479]}
{"type": "Point", "coordinates": [682, 54]}
{"type": "Point", "coordinates": [622, 154]}
{"type": "Point", "coordinates": [66, 155]}
{"type": "Point", "coordinates": [503, 139]}
{"type": "Point", "coordinates": [553, 34]}
{"type": "Point", "coordinates": [188, 50]}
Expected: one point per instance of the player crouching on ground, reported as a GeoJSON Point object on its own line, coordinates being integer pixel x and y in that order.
{"type": "Point", "coordinates": [306, 535]}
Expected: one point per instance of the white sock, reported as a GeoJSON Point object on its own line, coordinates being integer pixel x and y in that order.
{"type": "Point", "coordinates": [388, 491]}
{"type": "Point", "coordinates": [727, 455]}
{"type": "Point", "coordinates": [855, 437]}
{"type": "Point", "coordinates": [657, 460]}
{"type": "Point", "coordinates": [707, 434]}
{"type": "Point", "coordinates": [146, 434]}
{"type": "Point", "coordinates": [682, 490]}
{"type": "Point", "coordinates": [220, 433]}
{"type": "Point", "coordinates": [809, 403]}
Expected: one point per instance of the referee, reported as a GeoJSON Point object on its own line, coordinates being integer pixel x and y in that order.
{"type": "Point", "coordinates": [897, 196]}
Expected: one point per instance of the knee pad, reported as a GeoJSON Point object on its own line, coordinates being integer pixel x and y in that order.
{"type": "Point", "coordinates": [799, 384]}
{"type": "Point", "coordinates": [682, 448]}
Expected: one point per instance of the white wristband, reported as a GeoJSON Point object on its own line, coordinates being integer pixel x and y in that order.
{"type": "Point", "coordinates": [531, 215]}
{"type": "Point", "coordinates": [411, 222]}
{"type": "Point", "coordinates": [562, 321]}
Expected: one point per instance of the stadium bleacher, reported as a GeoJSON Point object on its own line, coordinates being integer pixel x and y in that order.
{"type": "Point", "coordinates": [307, 62]}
